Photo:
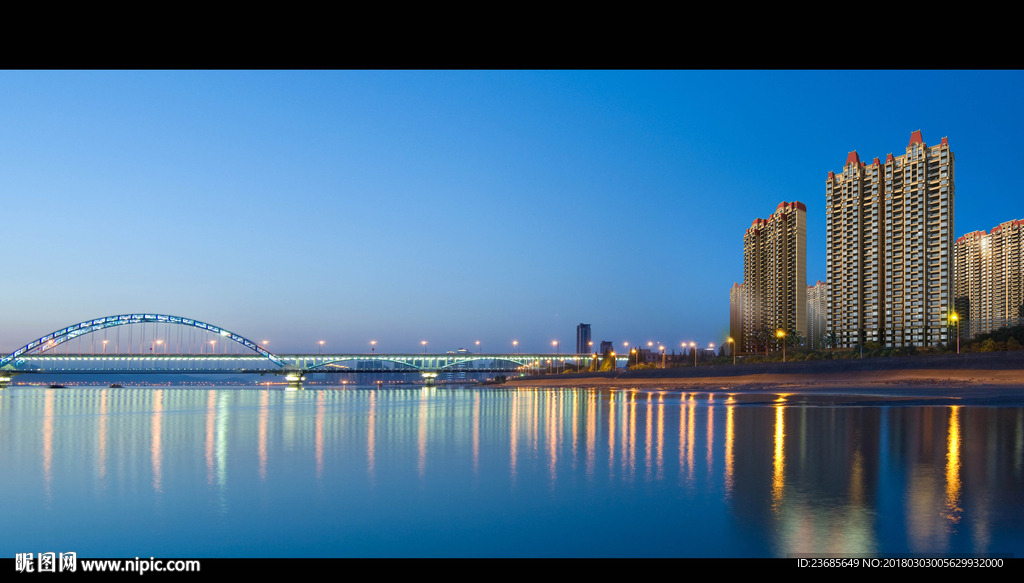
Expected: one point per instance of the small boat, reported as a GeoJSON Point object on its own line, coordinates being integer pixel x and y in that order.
{"type": "Point", "coordinates": [116, 386]}
{"type": "Point", "coordinates": [56, 386]}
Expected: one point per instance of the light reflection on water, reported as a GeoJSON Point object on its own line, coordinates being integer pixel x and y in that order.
{"type": "Point", "coordinates": [499, 472]}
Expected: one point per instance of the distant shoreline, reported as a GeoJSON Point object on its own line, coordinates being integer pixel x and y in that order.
{"type": "Point", "coordinates": [975, 371]}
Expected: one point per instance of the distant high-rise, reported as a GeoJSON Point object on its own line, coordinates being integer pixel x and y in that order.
{"type": "Point", "coordinates": [583, 344]}
{"type": "Point", "coordinates": [817, 302]}
{"type": "Point", "coordinates": [774, 290]}
{"type": "Point", "coordinates": [889, 246]}
{"type": "Point", "coordinates": [736, 316]}
{"type": "Point", "coordinates": [990, 279]}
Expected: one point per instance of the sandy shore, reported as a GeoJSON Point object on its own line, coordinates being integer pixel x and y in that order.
{"type": "Point", "coordinates": [998, 386]}
{"type": "Point", "coordinates": [936, 378]}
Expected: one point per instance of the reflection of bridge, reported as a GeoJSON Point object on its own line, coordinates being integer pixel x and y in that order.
{"type": "Point", "coordinates": [40, 356]}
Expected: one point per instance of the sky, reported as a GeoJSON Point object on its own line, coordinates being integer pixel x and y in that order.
{"type": "Point", "coordinates": [448, 206]}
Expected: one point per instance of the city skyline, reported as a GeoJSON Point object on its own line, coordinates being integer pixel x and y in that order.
{"type": "Point", "coordinates": [447, 206]}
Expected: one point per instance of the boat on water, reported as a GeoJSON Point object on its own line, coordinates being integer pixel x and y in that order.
{"type": "Point", "coordinates": [56, 386]}
{"type": "Point", "coordinates": [116, 386]}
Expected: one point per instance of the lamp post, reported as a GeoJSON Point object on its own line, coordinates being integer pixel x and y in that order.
{"type": "Point", "coordinates": [732, 348]}
{"type": "Point", "coordinates": [661, 347]}
{"type": "Point", "coordinates": [321, 348]}
{"type": "Point", "coordinates": [693, 349]}
{"type": "Point", "coordinates": [515, 346]}
{"type": "Point", "coordinates": [105, 346]}
{"type": "Point", "coordinates": [781, 334]}
{"type": "Point", "coordinates": [956, 318]}
{"type": "Point", "coordinates": [373, 345]}
{"type": "Point", "coordinates": [424, 343]}
{"type": "Point", "coordinates": [478, 347]}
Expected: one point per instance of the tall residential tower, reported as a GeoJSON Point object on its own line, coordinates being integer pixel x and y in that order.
{"type": "Point", "coordinates": [583, 343]}
{"type": "Point", "coordinates": [889, 247]}
{"type": "Point", "coordinates": [990, 279]}
{"type": "Point", "coordinates": [774, 291]}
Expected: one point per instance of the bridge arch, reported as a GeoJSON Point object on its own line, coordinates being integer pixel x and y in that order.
{"type": "Point", "coordinates": [61, 336]}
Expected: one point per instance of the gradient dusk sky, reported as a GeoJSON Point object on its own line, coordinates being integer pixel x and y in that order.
{"type": "Point", "coordinates": [449, 206]}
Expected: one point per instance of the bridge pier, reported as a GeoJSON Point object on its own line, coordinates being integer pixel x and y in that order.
{"type": "Point", "coordinates": [294, 379]}
{"type": "Point", "coordinates": [5, 380]}
{"type": "Point", "coordinates": [429, 377]}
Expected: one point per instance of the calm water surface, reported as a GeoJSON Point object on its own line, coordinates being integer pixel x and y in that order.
{"type": "Point", "coordinates": [467, 472]}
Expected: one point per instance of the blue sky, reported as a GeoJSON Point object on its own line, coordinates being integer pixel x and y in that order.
{"type": "Point", "coordinates": [448, 206]}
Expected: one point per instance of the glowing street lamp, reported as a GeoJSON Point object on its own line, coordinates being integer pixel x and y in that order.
{"type": "Point", "coordinates": [424, 343]}
{"type": "Point", "coordinates": [515, 346]}
{"type": "Point", "coordinates": [781, 334]}
{"type": "Point", "coordinates": [321, 348]}
{"type": "Point", "coordinates": [732, 348]}
{"type": "Point", "coordinates": [373, 345]}
{"type": "Point", "coordinates": [954, 317]}
{"type": "Point", "coordinates": [662, 349]}
{"type": "Point", "coordinates": [478, 347]}
{"type": "Point", "coordinates": [693, 349]}
{"type": "Point", "coordinates": [105, 346]}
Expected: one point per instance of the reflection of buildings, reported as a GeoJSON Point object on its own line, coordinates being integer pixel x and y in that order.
{"type": "Point", "coordinates": [583, 343]}
{"type": "Point", "coordinates": [990, 279]}
{"type": "Point", "coordinates": [889, 240]}
{"type": "Point", "coordinates": [774, 291]}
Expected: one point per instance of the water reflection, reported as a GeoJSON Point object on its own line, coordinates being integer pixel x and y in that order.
{"type": "Point", "coordinates": [776, 476]}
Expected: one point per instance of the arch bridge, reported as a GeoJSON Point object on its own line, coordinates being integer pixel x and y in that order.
{"type": "Point", "coordinates": [41, 356]}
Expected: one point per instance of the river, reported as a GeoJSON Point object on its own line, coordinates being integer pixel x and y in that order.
{"type": "Point", "coordinates": [497, 472]}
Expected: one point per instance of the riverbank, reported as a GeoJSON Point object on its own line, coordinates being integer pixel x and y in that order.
{"type": "Point", "coordinates": [978, 375]}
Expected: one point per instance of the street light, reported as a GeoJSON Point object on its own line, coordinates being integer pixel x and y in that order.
{"type": "Point", "coordinates": [956, 318]}
{"type": "Point", "coordinates": [782, 335]}
{"type": "Point", "coordinates": [693, 349]}
{"type": "Point", "coordinates": [732, 348]}
{"type": "Point", "coordinates": [424, 343]}
{"type": "Point", "coordinates": [555, 342]}
{"type": "Point", "coordinates": [373, 345]}
{"type": "Point", "coordinates": [105, 346]}
{"type": "Point", "coordinates": [478, 347]}
{"type": "Point", "coordinates": [515, 346]}
{"type": "Point", "coordinates": [321, 347]}
{"type": "Point", "coordinates": [662, 349]}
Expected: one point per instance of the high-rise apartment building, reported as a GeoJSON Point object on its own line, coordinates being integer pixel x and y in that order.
{"type": "Point", "coordinates": [736, 316]}
{"type": "Point", "coordinates": [817, 304]}
{"type": "Point", "coordinates": [774, 291]}
{"type": "Point", "coordinates": [990, 279]}
{"type": "Point", "coordinates": [889, 246]}
{"type": "Point", "coordinates": [583, 344]}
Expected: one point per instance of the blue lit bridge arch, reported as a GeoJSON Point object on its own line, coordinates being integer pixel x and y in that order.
{"type": "Point", "coordinates": [38, 357]}
{"type": "Point", "coordinates": [58, 337]}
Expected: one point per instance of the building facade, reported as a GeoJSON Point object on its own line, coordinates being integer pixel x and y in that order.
{"type": "Point", "coordinates": [736, 316]}
{"type": "Point", "coordinates": [889, 247]}
{"type": "Point", "coordinates": [774, 290]}
{"type": "Point", "coordinates": [583, 343]}
{"type": "Point", "coordinates": [817, 304]}
{"type": "Point", "coordinates": [990, 279]}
